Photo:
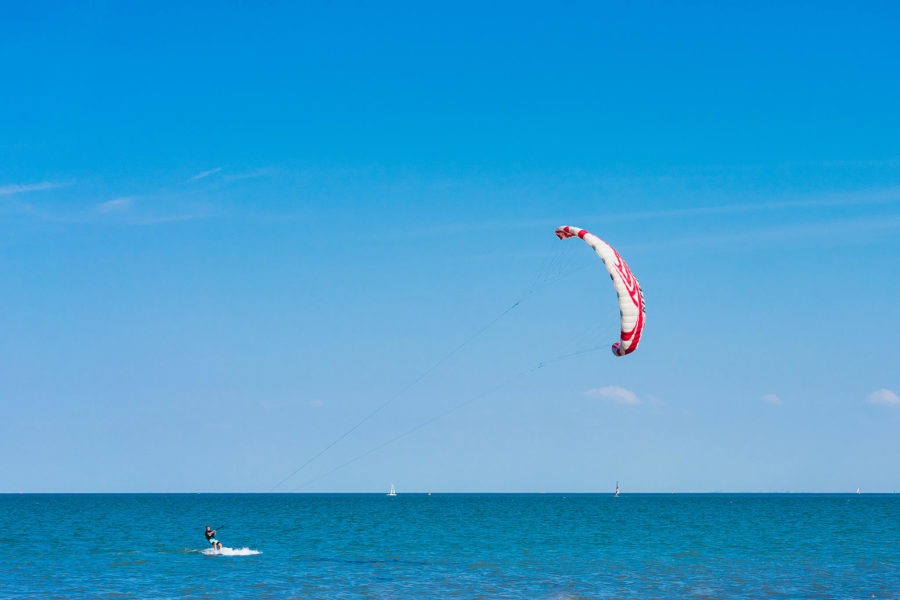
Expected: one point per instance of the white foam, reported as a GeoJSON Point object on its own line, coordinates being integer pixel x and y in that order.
{"type": "Point", "coordinates": [230, 552]}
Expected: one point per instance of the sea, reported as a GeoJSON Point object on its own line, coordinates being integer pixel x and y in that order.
{"type": "Point", "coordinates": [550, 546]}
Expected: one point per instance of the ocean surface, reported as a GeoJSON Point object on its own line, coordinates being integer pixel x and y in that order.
{"type": "Point", "coordinates": [450, 546]}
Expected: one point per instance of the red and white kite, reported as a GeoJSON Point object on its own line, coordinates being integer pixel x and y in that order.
{"type": "Point", "coordinates": [631, 298]}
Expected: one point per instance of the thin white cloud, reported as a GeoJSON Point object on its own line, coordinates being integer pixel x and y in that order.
{"type": "Point", "coordinates": [863, 197]}
{"type": "Point", "coordinates": [885, 197]}
{"type": "Point", "coordinates": [884, 397]}
{"type": "Point", "coordinates": [315, 404]}
{"type": "Point", "coordinates": [144, 210]}
{"type": "Point", "coordinates": [772, 399]}
{"type": "Point", "coordinates": [205, 174]}
{"type": "Point", "coordinates": [118, 205]}
{"type": "Point", "coordinates": [614, 394]}
{"type": "Point", "coordinates": [150, 220]}
{"type": "Point", "coordinates": [851, 230]}
{"type": "Point", "coordinates": [8, 190]}
{"type": "Point", "coordinates": [254, 174]}
{"type": "Point", "coordinates": [889, 162]}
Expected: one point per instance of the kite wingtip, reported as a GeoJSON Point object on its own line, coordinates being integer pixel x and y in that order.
{"type": "Point", "coordinates": [566, 231]}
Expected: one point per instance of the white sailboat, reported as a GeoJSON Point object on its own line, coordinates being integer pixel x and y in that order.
{"type": "Point", "coordinates": [617, 489]}
{"type": "Point", "coordinates": [393, 492]}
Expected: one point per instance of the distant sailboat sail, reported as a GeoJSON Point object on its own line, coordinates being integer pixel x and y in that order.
{"type": "Point", "coordinates": [617, 489]}
{"type": "Point", "coordinates": [393, 492]}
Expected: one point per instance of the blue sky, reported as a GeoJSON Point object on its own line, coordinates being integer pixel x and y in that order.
{"type": "Point", "coordinates": [230, 234]}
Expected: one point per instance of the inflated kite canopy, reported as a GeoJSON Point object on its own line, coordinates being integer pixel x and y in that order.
{"type": "Point", "coordinates": [631, 298]}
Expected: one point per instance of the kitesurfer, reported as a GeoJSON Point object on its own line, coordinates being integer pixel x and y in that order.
{"type": "Point", "coordinates": [211, 538]}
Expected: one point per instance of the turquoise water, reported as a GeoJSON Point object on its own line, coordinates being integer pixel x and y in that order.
{"type": "Point", "coordinates": [451, 546]}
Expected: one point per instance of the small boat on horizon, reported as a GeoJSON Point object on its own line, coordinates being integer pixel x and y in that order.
{"type": "Point", "coordinates": [617, 489]}
{"type": "Point", "coordinates": [393, 492]}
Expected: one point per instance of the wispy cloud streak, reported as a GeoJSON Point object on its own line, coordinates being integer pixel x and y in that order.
{"type": "Point", "coordinates": [117, 205]}
{"type": "Point", "coordinates": [870, 197]}
{"type": "Point", "coordinates": [841, 231]}
{"type": "Point", "coordinates": [8, 190]}
{"type": "Point", "coordinates": [254, 174]}
{"type": "Point", "coordinates": [205, 174]}
{"type": "Point", "coordinates": [875, 197]}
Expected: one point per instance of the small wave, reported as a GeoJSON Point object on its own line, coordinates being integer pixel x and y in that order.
{"type": "Point", "coordinates": [230, 552]}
